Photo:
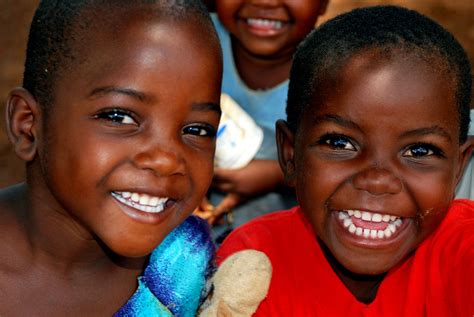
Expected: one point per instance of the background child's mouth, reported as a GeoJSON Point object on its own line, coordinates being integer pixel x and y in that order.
{"type": "Point", "coordinates": [265, 24]}
{"type": "Point", "coordinates": [265, 27]}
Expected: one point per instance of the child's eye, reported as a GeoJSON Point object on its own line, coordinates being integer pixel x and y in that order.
{"type": "Point", "coordinates": [337, 142]}
{"type": "Point", "coordinates": [200, 130]}
{"type": "Point", "coordinates": [422, 150]}
{"type": "Point", "coordinates": [117, 116]}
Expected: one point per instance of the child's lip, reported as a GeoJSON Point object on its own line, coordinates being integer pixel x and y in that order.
{"type": "Point", "coordinates": [373, 233]}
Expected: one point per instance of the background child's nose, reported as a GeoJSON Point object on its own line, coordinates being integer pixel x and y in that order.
{"type": "Point", "coordinates": [377, 181]}
{"type": "Point", "coordinates": [161, 160]}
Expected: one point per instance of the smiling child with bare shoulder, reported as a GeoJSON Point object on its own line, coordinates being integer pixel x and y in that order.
{"type": "Point", "coordinates": [375, 142]}
{"type": "Point", "coordinates": [116, 121]}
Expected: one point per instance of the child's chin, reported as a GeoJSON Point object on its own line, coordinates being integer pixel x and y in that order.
{"type": "Point", "coordinates": [368, 266]}
{"type": "Point", "coordinates": [133, 250]}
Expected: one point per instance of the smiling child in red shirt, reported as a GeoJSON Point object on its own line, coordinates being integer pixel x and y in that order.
{"type": "Point", "coordinates": [375, 143]}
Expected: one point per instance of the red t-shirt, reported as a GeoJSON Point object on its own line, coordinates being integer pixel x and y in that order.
{"type": "Point", "coordinates": [437, 280]}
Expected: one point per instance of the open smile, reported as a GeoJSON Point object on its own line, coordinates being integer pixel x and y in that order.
{"type": "Point", "coordinates": [142, 202]}
{"type": "Point", "coordinates": [265, 27]}
{"type": "Point", "coordinates": [369, 225]}
{"type": "Point", "coordinates": [265, 23]}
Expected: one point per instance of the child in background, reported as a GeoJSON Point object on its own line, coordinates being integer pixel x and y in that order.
{"type": "Point", "coordinates": [375, 143]}
{"type": "Point", "coordinates": [116, 123]}
{"type": "Point", "coordinates": [258, 40]}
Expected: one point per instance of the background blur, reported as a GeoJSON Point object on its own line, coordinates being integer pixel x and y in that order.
{"type": "Point", "coordinates": [15, 15]}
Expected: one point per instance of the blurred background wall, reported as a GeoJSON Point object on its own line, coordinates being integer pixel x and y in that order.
{"type": "Point", "coordinates": [15, 15]}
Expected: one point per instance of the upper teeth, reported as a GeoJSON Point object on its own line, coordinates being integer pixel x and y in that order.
{"type": "Point", "coordinates": [393, 223]}
{"type": "Point", "coordinates": [371, 216]}
{"type": "Point", "coordinates": [265, 23]}
{"type": "Point", "coordinates": [141, 202]}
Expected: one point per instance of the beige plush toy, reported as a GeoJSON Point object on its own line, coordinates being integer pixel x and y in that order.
{"type": "Point", "coordinates": [240, 284]}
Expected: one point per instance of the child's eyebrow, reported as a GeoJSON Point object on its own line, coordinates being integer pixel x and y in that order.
{"type": "Point", "coordinates": [337, 120]}
{"type": "Point", "coordinates": [143, 97]}
{"type": "Point", "coordinates": [98, 92]}
{"type": "Point", "coordinates": [206, 106]}
{"type": "Point", "coordinates": [437, 130]}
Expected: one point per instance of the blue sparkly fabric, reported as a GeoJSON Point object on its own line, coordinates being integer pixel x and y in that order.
{"type": "Point", "coordinates": [173, 281]}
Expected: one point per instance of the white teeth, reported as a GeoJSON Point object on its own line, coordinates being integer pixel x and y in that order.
{"type": "Point", "coordinates": [153, 201]}
{"type": "Point", "coordinates": [352, 228]}
{"type": "Point", "coordinates": [366, 216]}
{"type": "Point", "coordinates": [393, 223]}
{"type": "Point", "coordinates": [376, 218]}
{"type": "Point", "coordinates": [265, 23]}
{"type": "Point", "coordinates": [135, 197]}
{"type": "Point", "coordinates": [392, 228]}
{"type": "Point", "coordinates": [366, 233]}
{"type": "Point", "coordinates": [373, 234]}
{"type": "Point", "coordinates": [144, 199]}
{"type": "Point", "coordinates": [141, 202]}
{"type": "Point", "coordinates": [347, 222]}
{"type": "Point", "coordinates": [371, 216]}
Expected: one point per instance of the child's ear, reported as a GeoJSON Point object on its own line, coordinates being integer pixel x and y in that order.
{"type": "Point", "coordinates": [285, 141]}
{"type": "Point", "coordinates": [465, 153]}
{"type": "Point", "coordinates": [22, 115]}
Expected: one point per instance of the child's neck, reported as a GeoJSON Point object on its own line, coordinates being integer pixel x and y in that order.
{"type": "Point", "coordinates": [261, 72]}
{"type": "Point", "coordinates": [56, 240]}
{"type": "Point", "coordinates": [363, 287]}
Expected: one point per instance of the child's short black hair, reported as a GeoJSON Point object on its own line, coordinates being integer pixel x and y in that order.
{"type": "Point", "coordinates": [388, 28]}
{"type": "Point", "coordinates": [56, 28]}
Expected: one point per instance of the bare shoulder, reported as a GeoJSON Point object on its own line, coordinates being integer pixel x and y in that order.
{"type": "Point", "coordinates": [13, 203]}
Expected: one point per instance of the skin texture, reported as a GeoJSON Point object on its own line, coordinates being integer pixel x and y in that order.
{"type": "Point", "coordinates": [138, 114]}
{"type": "Point", "coordinates": [404, 159]}
{"type": "Point", "coordinates": [263, 59]}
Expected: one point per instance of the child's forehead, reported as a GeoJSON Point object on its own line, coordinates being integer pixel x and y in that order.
{"type": "Point", "coordinates": [405, 63]}
{"type": "Point", "coordinates": [114, 34]}
{"type": "Point", "coordinates": [396, 80]}
{"type": "Point", "coordinates": [135, 51]}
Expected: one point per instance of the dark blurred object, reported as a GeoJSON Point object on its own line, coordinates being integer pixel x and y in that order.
{"type": "Point", "coordinates": [210, 4]}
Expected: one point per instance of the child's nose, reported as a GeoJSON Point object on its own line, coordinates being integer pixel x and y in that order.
{"type": "Point", "coordinates": [377, 181]}
{"type": "Point", "coordinates": [160, 160]}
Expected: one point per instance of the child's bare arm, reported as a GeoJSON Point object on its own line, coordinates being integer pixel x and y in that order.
{"type": "Point", "coordinates": [258, 177]}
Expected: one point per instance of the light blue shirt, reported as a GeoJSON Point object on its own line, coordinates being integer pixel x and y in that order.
{"type": "Point", "coordinates": [264, 106]}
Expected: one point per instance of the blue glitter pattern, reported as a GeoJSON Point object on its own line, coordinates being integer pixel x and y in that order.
{"type": "Point", "coordinates": [174, 279]}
